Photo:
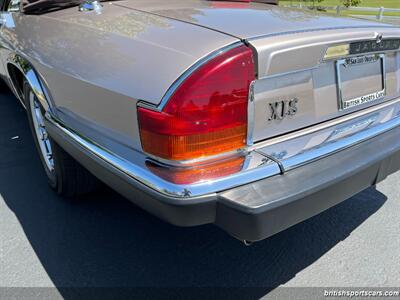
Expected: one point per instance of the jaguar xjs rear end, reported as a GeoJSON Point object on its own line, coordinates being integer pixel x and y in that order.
{"type": "Point", "coordinates": [245, 115]}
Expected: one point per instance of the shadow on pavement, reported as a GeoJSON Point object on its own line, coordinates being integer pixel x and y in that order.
{"type": "Point", "coordinates": [105, 241]}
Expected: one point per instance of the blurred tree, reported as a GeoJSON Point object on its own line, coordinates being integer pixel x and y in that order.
{"type": "Point", "coordinates": [316, 1]}
{"type": "Point", "coordinates": [349, 3]}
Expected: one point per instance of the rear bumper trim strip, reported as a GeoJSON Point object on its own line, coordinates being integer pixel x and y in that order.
{"type": "Point", "coordinates": [258, 164]}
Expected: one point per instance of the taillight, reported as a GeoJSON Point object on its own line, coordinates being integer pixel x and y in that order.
{"type": "Point", "coordinates": [207, 114]}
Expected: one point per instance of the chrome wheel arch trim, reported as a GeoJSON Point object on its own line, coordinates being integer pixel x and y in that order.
{"type": "Point", "coordinates": [41, 133]}
{"type": "Point", "coordinates": [33, 78]}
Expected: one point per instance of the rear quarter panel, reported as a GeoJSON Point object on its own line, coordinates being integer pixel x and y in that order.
{"type": "Point", "coordinates": [97, 67]}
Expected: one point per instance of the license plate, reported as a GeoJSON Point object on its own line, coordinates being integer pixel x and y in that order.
{"type": "Point", "coordinates": [360, 80]}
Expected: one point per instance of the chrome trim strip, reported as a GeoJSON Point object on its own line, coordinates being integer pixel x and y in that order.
{"type": "Point", "coordinates": [339, 83]}
{"type": "Point", "coordinates": [185, 75]}
{"type": "Point", "coordinates": [377, 27]}
{"type": "Point", "coordinates": [255, 167]}
{"type": "Point", "coordinates": [31, 76]}
{"type": "Point", "coordinates": [197, 161]}
{"type": "Point", "coordinates": [294, 152]}
{"type": "Point", "coordinates": [323, 125]}
{"type": "Point", "coordinates": [250, 115]}
{"type": "Point", "coordinates": [321, 152]}
{"type": "Point", "coordinates": [355, 55]}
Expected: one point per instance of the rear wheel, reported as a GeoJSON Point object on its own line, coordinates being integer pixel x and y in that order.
{"type": "Point", "coordinates": [65, 175]}
{"type": "Point", "coordinates": [3, 86]}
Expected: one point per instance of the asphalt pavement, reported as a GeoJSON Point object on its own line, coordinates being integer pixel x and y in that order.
{"type": "Point", "coordinates": [103, 240]}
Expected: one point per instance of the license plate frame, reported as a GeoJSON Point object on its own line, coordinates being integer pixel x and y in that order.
{"type": "Point", "coordinates": [345, 104]}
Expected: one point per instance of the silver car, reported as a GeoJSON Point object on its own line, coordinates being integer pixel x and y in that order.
{"type": "Point", "coordinates": [243, 114]}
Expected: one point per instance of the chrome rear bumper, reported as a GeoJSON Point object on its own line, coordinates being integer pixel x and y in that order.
{"type": "Point", "coordinates": [261, 209]}
{"type": "Point", "coordinates": [282, 181]}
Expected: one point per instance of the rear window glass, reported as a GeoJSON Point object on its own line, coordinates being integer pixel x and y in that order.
{"type": "Point", "coordinates": [43, 6]}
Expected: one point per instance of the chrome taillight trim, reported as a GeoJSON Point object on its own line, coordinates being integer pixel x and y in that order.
{"type": "Point", "coordinates": [250, 115]}
{"type": "Point", "coordinates": [197, 161]}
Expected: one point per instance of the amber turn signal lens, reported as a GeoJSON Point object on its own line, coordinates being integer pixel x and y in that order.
{"type": "Point", "coordinates": [199, 173]}
{"type": "Point", "coordinates": [183, 147]}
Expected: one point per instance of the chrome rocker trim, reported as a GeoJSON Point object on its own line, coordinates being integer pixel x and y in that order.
{"type": "Point", "coordinates": [259, 163]}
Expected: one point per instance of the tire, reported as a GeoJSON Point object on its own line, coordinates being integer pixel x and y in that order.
{"type": "Point", "coordinates": [65, 175]}
{"type": "Point", "coordinates": [3, 86]}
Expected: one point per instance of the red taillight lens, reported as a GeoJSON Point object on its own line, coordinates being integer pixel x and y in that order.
{"type": "Point", "coordinates": [207, 114]}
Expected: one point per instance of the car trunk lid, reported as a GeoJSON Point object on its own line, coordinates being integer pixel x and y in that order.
{"type": "Point", "coordinates": [296, 86]}
{"type": "Point", "coordinates": [241, 19]}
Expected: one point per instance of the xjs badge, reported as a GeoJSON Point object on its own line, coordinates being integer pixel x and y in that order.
{"type": "Point", "coordinates": [279, 110]}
